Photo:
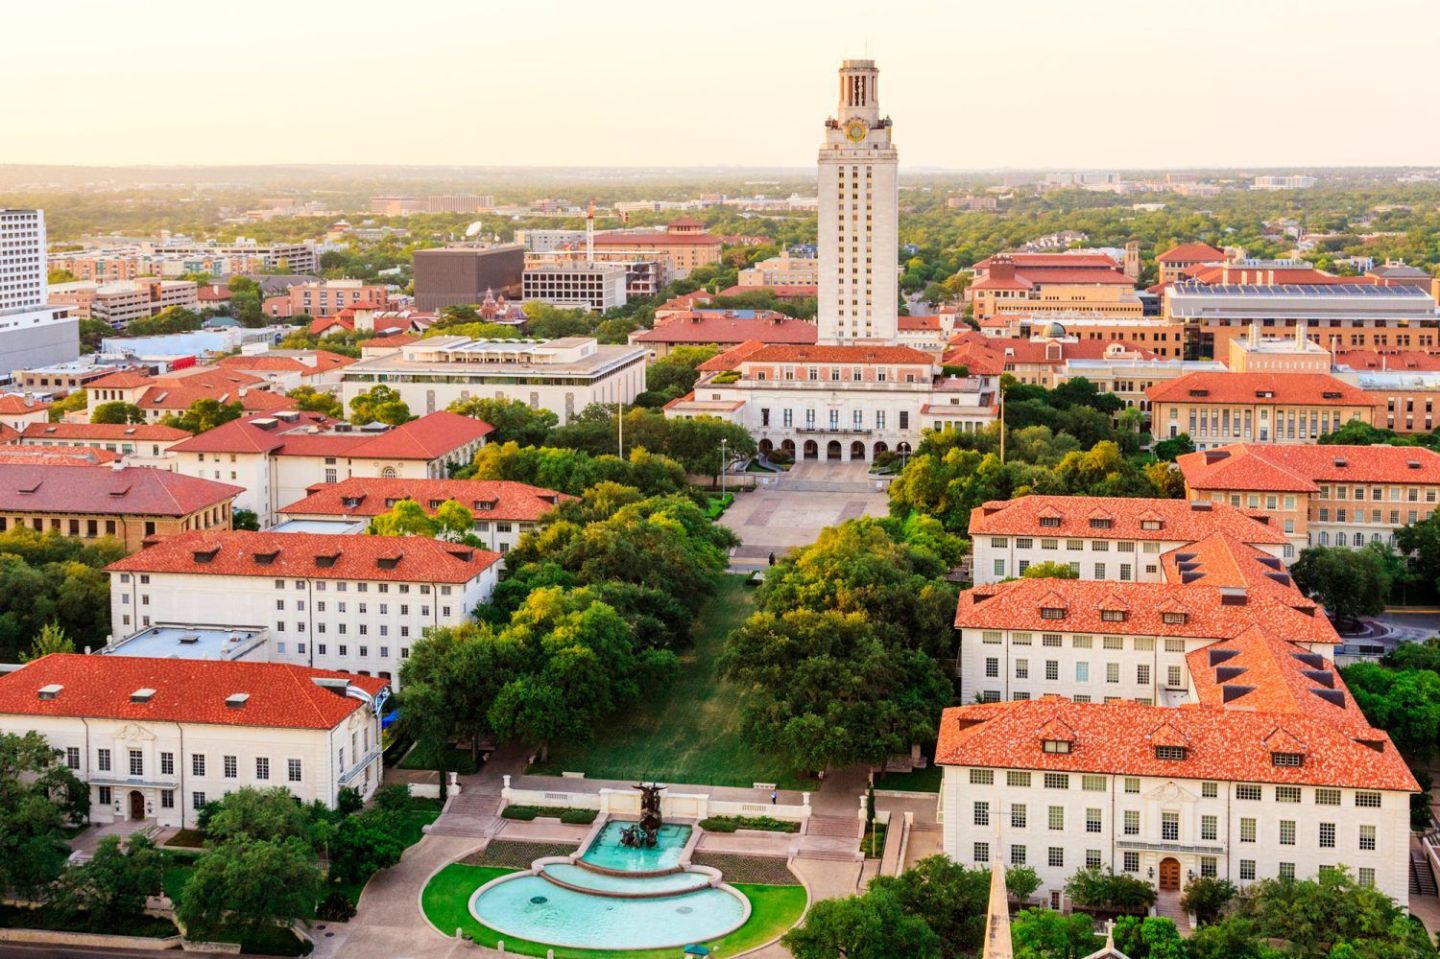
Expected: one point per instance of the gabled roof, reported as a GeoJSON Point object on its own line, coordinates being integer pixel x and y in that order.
{"type": "Point", "coordinates": [1191, 253]}
{"type": "Point", "coordinates": [1179, 521]}
{"type": "Point", "coordinates": [1307, 389]}
{"type": "Point", "coordinates": [487, 499]}
{"type": "Point", "coordinates": [711, 327]}
{"type": "Point", "coordinates": [429, 437]}
{"type": "Point", "coordinates": [415, 559]}
{"type": "Point", "coordinates": [115, 432]}
{"type": "Point", "coordinates": [857, 353]}
{"type": "Point", "coordinates": [119, 381]}
{"type": "Point", "coordinates": [33, 455]}
{"type": "Point", "coordinates": [278, 695]}
{"type": "Point", "coordinates": [289, 434]}
{"type": "Point", "coordinates": [131, 491]}
{"type": "Point", "coordinates": [14, 403]}
{"type": "Point", "coordinates": [1270, 468]}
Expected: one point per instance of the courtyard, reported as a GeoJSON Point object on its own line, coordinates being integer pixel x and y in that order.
{"type": "Point", "coordinates": [790, 509]}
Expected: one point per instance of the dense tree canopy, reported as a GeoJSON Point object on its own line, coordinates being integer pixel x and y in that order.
{"type": "Point", "coordinates": [572, 471]}
{"type": "Point", "coordinates": [379, 404]}
{"type": "Point", "coordinates": [205, 414]}
{"type": "Point", "coordinates": [513, 420]}
{"type": "Point", "coordinates": [39, 799]}
{"type": "Point", "coordinates": [48, 579]}
{"type": "Point", "coordinates": [1349, 582]}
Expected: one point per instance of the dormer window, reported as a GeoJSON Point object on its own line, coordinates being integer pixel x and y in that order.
{"type": "Point", "coordinates": [1113, 615]}
{"type": "Point", "coordinates": [1151, 524]}
{"type": "Point", "coordinates": [1098, 523]}
{"type": "Point", "coordinates": [1056, 745]}
{"type": "Point", "coordinates": [1171, 753]}
{"type": "Point", "coordinates": [1052, 612]}
{"type": "Point", "coordinates": [1049, 521]}
{"type": "Point", "coordinates": [1174, 619]}
{"type": "Point", "coordinates": [1287, 759]}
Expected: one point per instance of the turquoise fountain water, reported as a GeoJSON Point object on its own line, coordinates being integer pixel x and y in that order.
{"type": "Point", "coordinates": [614, 897]}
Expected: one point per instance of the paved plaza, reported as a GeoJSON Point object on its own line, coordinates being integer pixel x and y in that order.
{"type": "Point", "coordinates": [790, 509]}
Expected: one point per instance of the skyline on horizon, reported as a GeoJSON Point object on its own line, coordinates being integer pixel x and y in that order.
{"type": "Point", "coordinates": [969, 89]}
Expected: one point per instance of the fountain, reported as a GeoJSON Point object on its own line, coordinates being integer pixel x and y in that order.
{"type": "Point", "coordinates": [645, 833]}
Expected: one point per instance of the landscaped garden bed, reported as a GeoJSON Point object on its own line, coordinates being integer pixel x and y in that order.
{"type": "Point", "coordinates": [55, 920]}
{"type": "Point", "coordinates": [762, 870]}
{"type": "Point", "coordinates": [763, 823]}
{"type": "Point", "coordinates": [516, 855]}
{"type": "Point", "coordinates": [574, 817]}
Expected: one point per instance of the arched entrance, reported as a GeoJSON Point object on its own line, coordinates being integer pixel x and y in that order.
{"type": "Point", "coordinates": [881, 447]}
{"type": "Point", "coordinates": [137, 804]}
{"type": "Point", "coordinates": [832, 450]}
{"type": "Point", "coordinates": [1169, 874]}
{"type": "Point", "coordinates": [902, 448]}
{"type": "Point", "coordinates": [857, 450]}
{"type": "Point", "coordinates": [765, 446]}
{"type": "Point", "coordinates": [812, 450]}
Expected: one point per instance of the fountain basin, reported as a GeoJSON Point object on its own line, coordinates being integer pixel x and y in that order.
{"type": "Point", "coordinates": [606, 853]}
{"type": "Point", "coordinates": [580, 879]}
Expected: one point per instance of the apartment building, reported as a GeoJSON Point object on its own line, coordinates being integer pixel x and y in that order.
{"type": "Point", "coordinates": [326, 298]}
{"type": "Point", "coordinates": [503, 510]}
{"type": "Point", "coordinates": [563, 375]}
{"type": "Point", "coordinates": [282, 258]}
{"type": "Point", "coordinates": [119, 303]}
{"type": "Point", "coordinates": [1320, 495]}
{"type": "Point", "coordinates": [1282, 408]}
{"type": "Point", "coordinates": [157, 739]}
{"type": "Point", "coordinates": [277, 458]}
{"type": "Point", "coordinates": [140, 444]}
{"type": "Point", "coordinates": [577, 285]}
{"type": "Point", "coordinates": [1105, 537]}
{"type": "Point", "coordinates": [32, 333]}
{"type": "Point", "coordinates": [348, 603]}
{"type": "Point", "coordinates": [124, 503]}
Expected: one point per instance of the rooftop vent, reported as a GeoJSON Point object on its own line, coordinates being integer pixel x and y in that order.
{"type": "Point", "coordinates": [266, 559]}
{"type": "Point", "coordinates": [1265, 394]}
{"type": "Point", "coordinates": [1232, 693]}
{"type": "Point", "coordinates": [237, 700]}
{"type": "Point", "coordinates": [1202, 505]}
{"type": "Point", "coordinates": [1412, 464]}
{"type": "Point", "coordinates": [1331, 394]}
{"type": "Point", "coordinates": [388, 562]}
{"type": "Point", "coordinates": [1218, 656]}
{"type": "Point", "coordinates": [1332, 696]}
{"type": "Point", "coordinates": [206, 555]}
{"type": "Point", "coordinates": [51, 691]}
{"type": "Point", "coordinates": [142, 695]}
{"type": "Point", "coordinates": [1233, 596]}
{"type": "Point", "coordinates": [1341, 462]}
{"type": "Point", "coordinates": [327, 560]}
{"type": "Point", "coordinates": [189, 639]}
{"type": "Point", "coordinates": [1199, 392]}
{"type": "Point", "coordinates": [1322, 676]}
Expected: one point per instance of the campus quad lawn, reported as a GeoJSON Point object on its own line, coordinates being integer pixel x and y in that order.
{"type": "Point", "coordinates": [446, 901]}
{"type": "Point", "coordinates": [925, 780]}
{"type": "Point", "coordinates": [687, 731]}
{"type": "Point", "coordinates": [427, 756]}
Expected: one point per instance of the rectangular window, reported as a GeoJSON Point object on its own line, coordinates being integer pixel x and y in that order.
{"type": "Point", "coordinates": [1209, 827]}
{"type": "Point", "coordinates": [981, 816]}
{"type": "Point", "coordinates": [1019, 816]}
{"type": "Point", "coordinates": [1170, 826]}
{"type": "Point", "coordinates": [1132, 822]}
{"type": "Point", "coordinates": [1052, 669]}
{"type": "Point", "coordinates": [1092, 820]}
{"type": "Point", "coordinates": [1327, 835]}
{"type": "Point", "coordinates": [1247, 791]}
{"type": "Point", "coordinates": [1247, 869]}
{"type": "Point", "coordinates": [982, 852]}
{"type": "Point", "coordinates": [1092, 859]}
{"type": "Point", "coordinates": [1017, 779]}
{"type": "Point", "coordinates": [1132, 784]}
{"type": "Point", "coordinates": [1365, 876]}
{"type": "Point", "coordinates": [1092, 784]}
{"type": "Point", "coordinates": [1367, 800]}
{"type": "Point", "coordinates": [230, 767]}
{"type": "Point", "coordinates": [137, 763]}
{"type": "Point", "coordinates": [1142, 674]}
{"type": "Point", "coordinates": [1017, 855]}
{"type": "Point", "coordinates": [1210, 790]}
{"type": "Point", "coordinates": [72, 757]}
{"type": "Point", "coordinates": [167, 799]}
{"type": "Point", "coordinates": [167, 764]}
{"type": "Point", "coordinates": [293, 770]}
{"type": "Point", "coordinates": [982, 777]}
{"type": "Point", "coordinates": [1131, 862]}
{"type": "Point", "coordinates": [1055, 817]}
{"type": "Point", "coordinates": [102, 760]}
{"type": "Point", "coordinates": [1367, 838]}
{"type": "Point", "coordinates": [1057, 781]}
{"type": "Point", "coordinates": [1056, 857]}
{"type": "Point", "coordinates": [1209, 867]}
{"type": "Point", "coordinates": [1286, 870]}
{"type": "Point", "coordinates": [1287, 832]}
{"type": "Point", "coordinates": [105, 795]}
{"type": "Point", "coordinates": [262, 767]}
{"type": "Point", "coordinates": [1287, 793]}
{"type": "Point", "coordinates": [1327, 797]}
{"type": "Point", "coordinates": [1247, 829]}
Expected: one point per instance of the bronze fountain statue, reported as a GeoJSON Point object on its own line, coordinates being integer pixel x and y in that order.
{"type": "Point", "coordinates": [646, 833]}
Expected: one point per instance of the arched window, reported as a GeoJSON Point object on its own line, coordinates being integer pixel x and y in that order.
{"type": "Point", "coordinates": [1325, 538]}
{"type": "Point", "coordinates": [388, 473]}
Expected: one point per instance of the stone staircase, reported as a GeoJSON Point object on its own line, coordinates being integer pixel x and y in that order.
{"type": "Point", "coordinates": [470, 814]}
{"type": "Point", "coordinates": [1167, 904]}
{"type": "Point", "coordinates": [847, 826]}
{"type": "Point", "coordinates": [1422, 879]}
{"type": "Point", "coordinates": [834, 838]}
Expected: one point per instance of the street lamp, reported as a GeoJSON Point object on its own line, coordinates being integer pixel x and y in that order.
{"type": "Point", "coordinates": [722, 467]}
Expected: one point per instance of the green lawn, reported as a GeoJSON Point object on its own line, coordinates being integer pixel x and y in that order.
{"type": "Point", "coordinates": [446, 901]}
{"type": "Point", "coordinates": [176, 875]}
{"type": "Point", "coordinates": [689, 730]}
{"type": "Point", "coordinates": [427, 756]}
{"type": "Point", "coordinates": [925, 780]}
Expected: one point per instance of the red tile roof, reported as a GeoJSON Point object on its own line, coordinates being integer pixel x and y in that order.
{"type": "Point", "coordinates": [179, 399]}
{"type": "Point", "coordinates": [1118, 739]}
{"type": "Point", "coordinates": [920, 323]}
{"type": "Point", "coordinates": [415, 559]}
{"type": "Point", "coordinates": [794, 291]}
{"type": "Point", "coordinates": [714, 327]}
{"type": "Point", "coordinates": [1258, 672]}
{"type": "Point", "coordinates": [14, 403]}
{"type": "Point", "coordinates": [1179, 521]}
{"type": "Point", "coordinates": [1269, 468]}
{"type": "Point", "coordinates": [430, 437]}
{"type": "Point", "coordinates": [1306, 389]}
{"type": "Point", "coordinates": [132, 491]}
{"type": "Point", "coordinates": [213, 294]}
{"type": "Point", "coordinates": [656, 239]}
{"type": "Point", "coordinates": [119, 381]}
{"type": "Point", "coordinates": [186, 691]}
{"type": "Point", "coordinates": [1027, 277]}
{"type": "Point", "coordinates": [1237, 274]}
{"type": "Point", "coordinates": [1191, 253]}
{"type": "Point", "coordinates": [857, 353]}
{"type": "Point", "coordinates": [732, 358]}
{"type": "Point", "coordinates": [487, 499]}
{"type": "Point", "coordinates": [12, 452]}
{"type": "Point", "coordinates": [1017, 604]}
{"type": "Point", "coordinates": [253, 434]}
{"type": "Point", "coordinates": [1401, 361]}
{"type": "Point", "coordinates": [114, 432]}
{"type": "Point", "coordinates": [325, 361]}
{"type": "Point", "coordinates": [1068, 261]}
{"type": "Point", "coordinates": [994, 354]}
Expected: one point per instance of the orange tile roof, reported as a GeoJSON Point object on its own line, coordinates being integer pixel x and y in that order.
{"type": "Point", "coordinates": [55, 455]}
{"type": "Point", "coordinates": [715, 327]}
{"type": "Point", "coordinates": [857, 353]}
{"type": "Point", "coordinates": [993, 354]}
{"type": "Point", "coordinates": [488, 499]}
{"type": "Point", "coordinates": [13, 403]}
{"type": "Point", "coordinates": [1069, 261]}
{"type": "Point", "coordinates": [186, 691]}
{"type": "Point", "coordinates": [1120, 739]}
{"type": "Point", "coordinates": [1307, 389]}
{"type": "Point", "coordinates": [656, 239]}
{"type": "Point", "coordinates": [1258, 672]}
{"type": "Point", "coordinates": [119, 381]}
{"type": "Point", "coordinates": [1241, 275]}
{"type": "Point", "coordinates": [1190, 253]}
{"type": "Point", "coordinates": [116, 432]}
{"type": "Point", "coordinates": [1179, 521]}
{"type": "Point", "coordinates": [430, 437]}
{"type": "Point", "coordinates": [1208, 613]}
{"type": "Point", "coordinates": [794, 291]}
{"type": "Point", "coordinates": [732, 358]}
{"type": "Point", "coordinates": [931, 322]}
{"type": "Point", "coordinates": [1246, 466]}
{"type": "Point", "coordinates": [325, 361]}
{"type": "Point", "coordinates": [415, 559]}
{"type": "Point", "coordinates": [1392, 362]}
{"type": "Point", "coordinates": [131, 491]}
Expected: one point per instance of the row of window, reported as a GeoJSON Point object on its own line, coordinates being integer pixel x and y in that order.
{"type": "Point", "coordinates": [1141, 644]}
{"type": "Point", "coordinates": [857, 419]}
{"type": "Point", "coordinates": [1127, 573]}
{"type": "Point", "coordinates": [1209, 789]}
{"type": "Point", "coordinates": [230, 765]}
{"type": "Point", "coordinates": [1174, 675]}
{"type": "Point", "coordinates": [1130, 863]}
{"type": "Point", "coordinates": [1075, 545]}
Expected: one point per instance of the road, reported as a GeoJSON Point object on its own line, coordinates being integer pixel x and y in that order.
{"type": "Point", "coordinates": [9, 950]}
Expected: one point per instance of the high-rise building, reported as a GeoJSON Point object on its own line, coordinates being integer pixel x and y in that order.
{"type": "Point", "coordinates": [31, 333]}
{"type": "Point", "coordinates": [859, 216]}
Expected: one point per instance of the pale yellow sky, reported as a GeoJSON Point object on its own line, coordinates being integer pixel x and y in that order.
{"type": "Point", "coordinates": [1002, 83]}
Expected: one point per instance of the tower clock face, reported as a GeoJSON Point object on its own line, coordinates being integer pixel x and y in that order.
{"type": "Point", "coordinates": [856, 129]}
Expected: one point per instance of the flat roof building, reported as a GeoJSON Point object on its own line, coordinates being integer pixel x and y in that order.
{"type": "Point", "coordinates": [32, 333]}
{"type": "Point", "coordinates": [461, 276]}
{"type": "Point", "coordinates": [579, 285]}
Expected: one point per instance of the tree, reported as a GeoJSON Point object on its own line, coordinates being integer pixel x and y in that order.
{"type": "Point", "coordinates": [244, 519]}
{"type": "Point", "coordinates": [311, 400]}
{"type": "Point", "coordinates": [73, 403]}
{"type": "Point", "coordinates": [1044, 934]}
{"type": "Point", "coordinates": [1358, 433]}
{"type": "Point", "coordinates": [1350, 583]}
{"type": "Point", "coordinates": [1421, 542]}
{"type": "Point", "coordinates": [117, 412]}
{"type": "Point", "coordinates": [951, 899]}
{"type": "Point", "coordinates": [1404, 703]}
{"type": "Point", "coordinates": [405, 518]}
{"type": "Point", "coordinates": [249, 815]}
{"type": "Point", "coordinates": [872, 926]}
{"type": "Point", "coordinates": [513, 420]}
{"type": "Point", "coordinates": [1101, 889]}
{"type": "Point", "coordinates": [48, 578]}
{"type": "Point", "coordinates": [39, 799]}
{"type": "Point", "coordinates": [1151, 937]}
{"type": "Point", "coordinates": [1050, 570]}
{"type": "Point", "coordinates": [1331, 916]}
{"type": "Point", "coordinates": [1167, 479]}
{"type": "Point", "coordinates": [1021, 882]}
{"type": "Point", "coordinates": [50, 639]}
{"type": "Point", "coordinates": [93, 334]}
{"type": "Point", "coordinates": [365, 844]}
{"type": "Point", "coordinates": [1169, 450]}
{"type": "Point", "coordinates": [448, 684]}
{"type": "Point", "coordinates": [205, 414]}
{"type": "Point", "coordinates": [111, 886]}
{"type": "Point", "coordinates": [379, 404]}
{"type": "Point", "coordinates": [1205, 896]}
{"type": "Point", "coordinates": [250, 885]}
{"type": "Point", "coordinates": [675, 373]}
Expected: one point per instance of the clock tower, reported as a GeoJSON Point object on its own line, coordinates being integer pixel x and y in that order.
{"type": "Point", "coordinates": [858, 215]}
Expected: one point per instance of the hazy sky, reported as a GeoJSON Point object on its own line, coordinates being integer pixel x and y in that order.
{"type": "Point", "coordinates": [1017, 83]}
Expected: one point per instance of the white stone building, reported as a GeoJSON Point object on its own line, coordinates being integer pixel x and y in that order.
{"type": "Point", "coordinates": [563, 375]}
{"type": "Point", "coordinates": [31, 333]}
{"type": "Point", "coordinates": [156, 739]}
{"type": "Point", "coordinates": [576, 285]}
{"type": "Point", "coordinates": [1104, 537]}
{"type": "Point", "coordinates": [348, 603]}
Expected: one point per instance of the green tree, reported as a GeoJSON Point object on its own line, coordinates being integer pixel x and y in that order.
{"type": "Point", "coordinates": [365, 844]}
{"type": "Point", "coordinates": [872, 926]}
{"type": "Point", "coordinates": [1151, 937]}
{"type": "Point", "coordinates": [1206, 896]}
{"type": "Point", "coordinates": [675, 373]}
{"type": "Point", "coordinates": [93, 334]}
{"type": "Point", "coordinates": [73, 403]}
{"type": "Point", "coordinates": [244, 519]}
{"type": "Point", "coordinates": [1102, 889]}
{"type": "Point", "coordinates": [1169, 450]}
{"type": "Point", "coordinates": [1050, 570]}
{"type": "Point", "coordinates": [111, 887]}
{"type": "Point", "coordinates": [249, 815]}
{"type": "Point", "coordinates": [205, 414]}
{"type": "Point", "coordinates": [1045, 934]}
{"type": "Point", "coordinates": [1421, 542]}
{"type": "Point", "coordinates": [513, 420]}
{"type": "Point", "coordinates": [250, 886]}
{"type": "Point", "coordinates": [405, 518]}
{"type": "Point", "coordinates": [951, 899]}
{"type": "Point", "coordinates": [449, 682]}
{"type": "Point", "coordinates": [311, 400]}
{"type": "Point", "coordinates": [1404, 703]}
{"type": "Point", "coordinates": [379, 404]}
{"type": "Point", "coordinates": [39, 799]}
{"type": "Point", "coordinates": [117, 412]}
{"type": "Point", "coordinates": [1350, 583]}
{"type": "Point", "coordinates": [50, 639]}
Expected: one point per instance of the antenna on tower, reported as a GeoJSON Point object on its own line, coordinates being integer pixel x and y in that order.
{"type": "Point", "coordinates": [590, 232]}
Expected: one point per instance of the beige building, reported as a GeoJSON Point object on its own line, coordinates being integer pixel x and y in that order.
{"type": "Point", "coordinates": [782, 270]}
{"type": "Point", "coordinates": [1256, 353]}
{"type": "Point", "coordinates": [325, 298]}
{"type": "Point", "coordinates": [120, 302]}
{"type": "Point", "coordinates": [1173, 263]}
{"type": "Point", "coordinates": [1215, 409]}
{"type": "Point", "coordinates": [683, 245]}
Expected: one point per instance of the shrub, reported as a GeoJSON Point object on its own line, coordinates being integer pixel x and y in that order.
{"type": "Point", "coordinates": [522, 813]}
{"type": "Point", "coordinates": [575, 817]}
{"type": "Point", "coordinates": [579, 817]}
{"type": "Point", "coordinates": [1206, 896]}
{"type": "Point", "coordinates": [335, 907]}
{"type": "Point", "coordinates": [779, 457]}
{"type": "Point", "coordinates": [1110, 891]}
{"type": "Point", "coordinates": [732, 823]}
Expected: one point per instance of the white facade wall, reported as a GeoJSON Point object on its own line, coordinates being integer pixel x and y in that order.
{"type": "Point", "coordinates": [1129, 561]}
{"type": "Point", "coordinates": [1093, 828]}
{"type": "Point", "coordinates": [356, 626]}
{"type": "Point", "coordinates": [171, 785]}
{"type": "Point", "coordinates": [252, 471]}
